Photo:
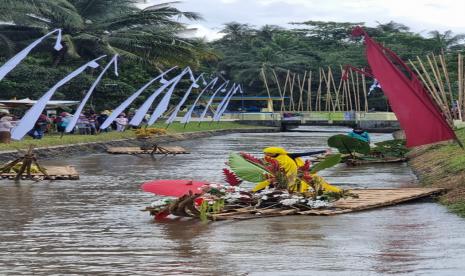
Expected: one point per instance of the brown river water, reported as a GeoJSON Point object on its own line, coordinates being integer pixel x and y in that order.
{"type": "Point", "coordinates": [94, 226]}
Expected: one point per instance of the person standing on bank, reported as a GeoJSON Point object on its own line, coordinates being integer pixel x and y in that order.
{"type": "Point", "coordinates": [6, 125]}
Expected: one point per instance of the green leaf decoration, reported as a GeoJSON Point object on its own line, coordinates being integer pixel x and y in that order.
{"type": "Point", "coordinates": [330, 161]}
{"type": "Point", "coordinates": [246, 170]}
{"type": "Point", "coordinates": [348, 145]}
{"type": "Point", "coordinates": [394, 148]}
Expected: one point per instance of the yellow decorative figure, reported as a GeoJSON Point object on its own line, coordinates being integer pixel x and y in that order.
{"type": "Point", "coordinates": [291, 167]}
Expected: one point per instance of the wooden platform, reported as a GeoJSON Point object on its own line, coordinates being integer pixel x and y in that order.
{"type": "Point", "coordinates": [138, 150]}
{"type": "Point", "coordinates": [368, 199]}
{"type": "Point", "coordinates": [54, 173]}
{"type": "Point", "coordinates": [358, 162]}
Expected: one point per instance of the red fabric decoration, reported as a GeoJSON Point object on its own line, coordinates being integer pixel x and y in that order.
{"type": "Point", "coordinates": [358, 31]}
{"type": "Point", "coordinates": [173, 187]}
{"type": "Point", "coordinates": [231, 178]}
{"type": "Point", "coordinates": [162, 215]}
{"type": "Point", "coordinates": [418, 115]}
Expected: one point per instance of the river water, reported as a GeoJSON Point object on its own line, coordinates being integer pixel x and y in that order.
{"type": "Point", "coordinates": [94, 226]}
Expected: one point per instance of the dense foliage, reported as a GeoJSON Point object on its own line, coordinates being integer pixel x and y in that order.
{"type": "Point", "coordinates": [246, 50]}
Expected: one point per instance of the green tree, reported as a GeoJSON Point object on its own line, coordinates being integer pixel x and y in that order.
{"type": "Point", "coordinates": [94, 27]}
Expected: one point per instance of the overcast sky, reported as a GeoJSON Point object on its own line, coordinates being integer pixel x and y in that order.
{"type": "Point", "coordinates": [421, 15]}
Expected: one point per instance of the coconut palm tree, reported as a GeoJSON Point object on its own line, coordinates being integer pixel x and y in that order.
{"type": "Point", "coordinates": [93, 27]}
{"type": "Point", "coordinates": [446, 40]}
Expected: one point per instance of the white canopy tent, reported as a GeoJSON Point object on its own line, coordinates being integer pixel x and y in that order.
{"type": "Point", "coordinates": [29, 102]}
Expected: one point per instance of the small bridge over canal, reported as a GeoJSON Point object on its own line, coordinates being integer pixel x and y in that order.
{"type": "Point", "coordinates": [372, 121]}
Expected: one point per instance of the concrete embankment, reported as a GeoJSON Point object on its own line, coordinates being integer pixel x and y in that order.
{"type": "Point", "coordinates": [95, 147]}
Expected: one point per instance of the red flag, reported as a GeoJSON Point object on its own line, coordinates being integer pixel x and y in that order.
{"type": "Point", "coordinates": [418, 115]}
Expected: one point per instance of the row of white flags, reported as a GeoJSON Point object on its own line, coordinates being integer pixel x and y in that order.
{"type": "Point", "coordinates": [28, 121]}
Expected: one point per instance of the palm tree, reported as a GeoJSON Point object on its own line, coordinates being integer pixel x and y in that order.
{"type": "Point", "coordinates": [446, 40]}
{"type": "Point", "coordinates": [236, 31]}
{"type": "Point", "coordinates": [94, 27]}
{"type": "Point", "coordinates": [392, 27]}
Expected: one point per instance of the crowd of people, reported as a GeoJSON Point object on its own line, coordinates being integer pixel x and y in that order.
{"type": "Point", "coordinates": [88, 123]}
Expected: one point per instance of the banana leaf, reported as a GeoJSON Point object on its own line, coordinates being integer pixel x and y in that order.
{"type": "Point", "coordinates": [330, 161]}
{"type": "Point", "coordinates": [246, 170]}
{"type": "Point", "coordinates": [394, 148]}
{"type": "Point", "coordinates": [348, 145]}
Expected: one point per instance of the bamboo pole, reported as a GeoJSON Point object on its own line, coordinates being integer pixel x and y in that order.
{"type": "Point", "coordinates": [437, 95]}
{"type": "Point", "coordinates": [429, 83]}
{"type": "Point", "coordinates": [291, 102]}
{"type": "Point", "coordinates": [365, 94]}
{"type": "Point", "coordinates": [343, 96]}
{"type": "Point", "coordinates": [463, 88]}
{"type": "Point", "coordinates": [358, 92]}
{"type": "Point", "coordinates": [309, 93]}
{"type": "Point", "coordinates": [353, 89]}
{"type": "Point", "coordinates": [437, 77]}
{"type": "Point", "coordinates": [460, 81]}
{"type": "Point", "coordinates": [318, 95]}
{"type": "Point", "coordinates": [300, 106]}
{"type": "Point", "coordinates": [342, 86]}
{"type": "Point", "coordinates": [279, 88]}
{"type": "Point", "coordinates": [349, 97]}
{"type": "Point", "coordinates": [283, 102]}
{"type": "Point", "coordinates": [336, 91]}
{"type": "Point", "coordinates": [266, 83]}
{"type": "Point", "coordinates": [446, 75]}
{"type": "Point", "coordinates": [327, 104]}
{"type": "Point", "coordinates": [425, 82]}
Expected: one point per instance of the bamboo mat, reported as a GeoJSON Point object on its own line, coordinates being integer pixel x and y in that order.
{"type": "Point", "coordinates": [54, 173]}
{"type": "Point", "coordinates": [367, 199]}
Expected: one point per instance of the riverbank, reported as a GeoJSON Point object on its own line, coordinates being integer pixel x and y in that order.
{"type": "Point", "coordinates": [55, 146]}
{"type": "Point", "coordinates": [443, 165]}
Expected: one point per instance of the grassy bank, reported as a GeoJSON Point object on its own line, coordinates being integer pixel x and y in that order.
{"type": "Point", "coordinates": [55, 139]}
{"type": "Point", "coordinates": [443, 166]}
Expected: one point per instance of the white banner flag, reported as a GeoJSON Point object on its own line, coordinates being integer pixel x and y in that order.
{"type": "Point", "coordinates": [210, 102]}
{"type": "Point", "coordinates": [220, 106]}
{"type": "Point", "coordinates": [217, 117]}
{"type": "Point", "coordinates": [29, 119]}
{"type": "Point", "coordinates": [187, 117]}
{"type": "Point", "coordinates": [142, 111]}
{"type": "Point", "coordinates": [129, 100]}
{"type": "Point", "coordinates": [14, 61]}
{"type": "Point", "coordinates": [163, 105]}
{"type": "Point", "coordinates": [184, 99]}
{"type": "Point", "coordinates": [75, 118]}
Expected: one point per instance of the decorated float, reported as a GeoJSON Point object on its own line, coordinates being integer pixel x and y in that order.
{"type": "Point", "coordinates": [268, 187]}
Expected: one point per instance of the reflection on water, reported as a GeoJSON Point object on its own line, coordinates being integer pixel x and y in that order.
{"type": "Point", "coordinates": [95, 226]}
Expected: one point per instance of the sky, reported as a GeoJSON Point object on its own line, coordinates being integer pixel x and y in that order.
{"type": "Point", "coordinates": [420, 15]}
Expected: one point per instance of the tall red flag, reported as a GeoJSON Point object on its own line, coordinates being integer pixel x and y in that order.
{"type": "Point", "coordinates": [418, 115]}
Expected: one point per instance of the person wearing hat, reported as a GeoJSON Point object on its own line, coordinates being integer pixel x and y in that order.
{"type": "Point", "coordinates": [6, 125]}
{"type": "Point", "coordinates": [101, 118]}
{"type": "Point", "coordinates": [291, 162]}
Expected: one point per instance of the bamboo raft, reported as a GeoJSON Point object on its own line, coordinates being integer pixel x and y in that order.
{"type": "Point", "coordinates": [53, 173]}
{"type": "Point", "coordinates": [358, 162]}
{"type": "Point", "coordinates": [156, 150]}
{"type": "Point", "coordinates": [367, 199]}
